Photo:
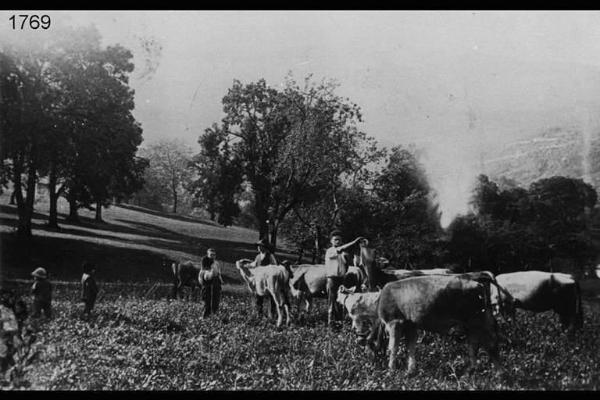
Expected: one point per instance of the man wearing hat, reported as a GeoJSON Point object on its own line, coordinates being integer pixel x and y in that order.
{"type": "Point", "coordinates": [264, 256]}
{"type": "Point", "coordinates": [42, 294]}
{"type": "Point", "coordinates": [336, 265]}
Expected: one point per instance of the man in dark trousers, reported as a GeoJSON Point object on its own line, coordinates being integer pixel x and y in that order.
{"type": "Point", "coordinates": [210, 280]}
{"type": "Point", "coordinates": [89, 289]}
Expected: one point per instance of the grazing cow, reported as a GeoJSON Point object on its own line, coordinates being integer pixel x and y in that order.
{"type": "Point", "coordinates": [437, 303]}
{"type": "Point", "coordinates": [540, 291]}
{"type": "Point", "coordinates": [307, 282]}
{"type": "Point", "coordinates": [184, 274]}
{"type": "Point", "coordinates": [362, 309]}
{"type": "Point", "coordinates": [376, 277]}
{"type": "Point", "coordinates": [265, 280]}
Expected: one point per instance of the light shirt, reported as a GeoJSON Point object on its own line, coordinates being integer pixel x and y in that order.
{"type": "Point", "coordinates": [332, 262]}
{"type": "Point", "coordinates": [209, 274]}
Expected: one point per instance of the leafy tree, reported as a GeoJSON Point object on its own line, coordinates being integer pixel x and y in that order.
{"type": "Point", "coordinates": [219, 177]}
{"type": "Point", "coordinates": [104, 133]}
{"type": "Point", "coordinates": [170, 167]}
{"type": "Point", "coordinates": [407, 222]}
{"type": "Point", "coordinates": [290, 144]}
{"type": "Point", "coordinates": [517, 228]}
{"type": "Point", "coordinates": [26, 116]}
{"type": "Point", "coordinates": [68, 116]}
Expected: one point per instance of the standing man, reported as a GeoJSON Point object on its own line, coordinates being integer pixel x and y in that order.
{"type": "Point", "coordinates": [337, 260]}
{"type": "Point", "coordinates": [210, 280]}
{"type": "Point", "coordinates": [89, 289]}
{"type": "Point", "coordinates": [265, 256]}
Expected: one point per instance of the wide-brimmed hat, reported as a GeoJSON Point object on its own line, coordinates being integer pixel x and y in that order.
{"type": "Point", "coordinates": [40, 273]}
{"type": "Point", "coordinates": [88, 267]}
{"type": "Point", "coordinates": [263, 243]}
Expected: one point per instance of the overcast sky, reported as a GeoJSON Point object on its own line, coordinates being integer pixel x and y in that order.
{"type": "Point", "coordinates": [453, 82]}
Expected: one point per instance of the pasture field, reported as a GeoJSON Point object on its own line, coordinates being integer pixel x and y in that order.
{"type": "Point", "coordinates": [138, 342]}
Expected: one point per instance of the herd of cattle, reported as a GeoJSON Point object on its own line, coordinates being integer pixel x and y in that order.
{"type": "Point", "coordinates": [386, 304]}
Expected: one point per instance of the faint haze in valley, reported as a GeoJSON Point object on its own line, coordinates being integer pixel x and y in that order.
{"type": "Point", "coordinates": [457, 84]}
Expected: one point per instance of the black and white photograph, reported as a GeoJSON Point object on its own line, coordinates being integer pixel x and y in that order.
{"type": "Point", "coordinates": [308, 200]}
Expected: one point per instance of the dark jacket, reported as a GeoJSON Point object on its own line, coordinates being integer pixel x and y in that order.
{"type": "Point", "coordinates": [89, 289]}
{"type": "Point", "coordinates": [264, 261]}
{"type": "Point", "coordinates": [42, 291]}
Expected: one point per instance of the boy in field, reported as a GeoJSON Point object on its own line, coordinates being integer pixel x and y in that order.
{"type": "Point", "coordinates": [337, 260]}
{"type": "Point", "coordinates": [42, 294]}
{"type": "Point", "coordinates": [210, 281]}
{"type": "Point", "coordinates": [89, 289]}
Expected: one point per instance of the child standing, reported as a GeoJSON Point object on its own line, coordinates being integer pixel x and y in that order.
{"type": "Point", "coordinates": [42, 294]}
{"type": "Point", "coordinates": [89, 289]}
{"type": "Point", "coordinates": [210, 281]}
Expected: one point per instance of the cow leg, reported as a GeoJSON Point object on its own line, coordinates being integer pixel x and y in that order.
{"type": "Point", "coordinates": [410, 332]}
{"type": "Point", "coordinates": [273, 308]}
{"type": "Point", "coordinates": [288, 318]}
{"type": "Point", "coordinates": [393, 332]}
{"type": "Point", "coordinates": [278, 301]}
{"type": "Point", "coordinates": [259, 303]}
{"type": "Point", "coordinates": [473, 346]}
{"type": "Point", "coordinates": [491, 347]}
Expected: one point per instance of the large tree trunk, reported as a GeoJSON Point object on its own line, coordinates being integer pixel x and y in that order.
{"type": "Point", "coordinates": [73, 216]}
{"type": "Point", "coordinates": [317, 252]}
{"type": "Point", "coordinates": [98, 211]}
{"type": "Point", "coordinates": [273, 236]}
{"type": "Point", "coordinates": [260, 213]}
{"type": "Point", "coordinates": [174, 201]}
{"type": "Point", "coordinates": [24, 205]}
{"type": "Point", "coordinates": [13, 195]}
{"type": "Point", "coordinates": [53, 195]}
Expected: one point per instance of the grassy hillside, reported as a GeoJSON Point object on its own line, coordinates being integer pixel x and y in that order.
{"type": "Point", "coordinates": [128, 246]}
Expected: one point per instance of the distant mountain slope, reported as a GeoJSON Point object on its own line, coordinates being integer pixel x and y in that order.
{"type": "Point", "coordinates": [557, 151]}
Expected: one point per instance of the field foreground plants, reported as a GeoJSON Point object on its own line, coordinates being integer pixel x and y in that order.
{"type": "Point", "coordinates": [139, 340]}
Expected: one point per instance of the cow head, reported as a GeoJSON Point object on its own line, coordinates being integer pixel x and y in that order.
{"type": "Point", "coordinates": [246, 274]}
{"type": "Point", "coordinates": [501, 300]}
{"type": "Point", "coordinates": [362, 309]}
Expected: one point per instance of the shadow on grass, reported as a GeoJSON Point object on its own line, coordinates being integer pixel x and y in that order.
{"type": "Point", "coordinates": [176, 217]}
{"type": "Point", "coordinates": [116, 257]}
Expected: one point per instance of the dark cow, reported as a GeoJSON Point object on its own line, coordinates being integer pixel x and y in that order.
{"type": "Point", "coordinates": [307, 282]}
{"type": "Point", "coordinates": [437, 303]}
{"type": "Point", "coordinates": [184, 274]}
{"type": "Point", "coordinates": [540, 291]}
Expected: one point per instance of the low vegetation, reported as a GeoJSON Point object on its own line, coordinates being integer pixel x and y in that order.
{"type": "Point", "coordinates": [140, 340]}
